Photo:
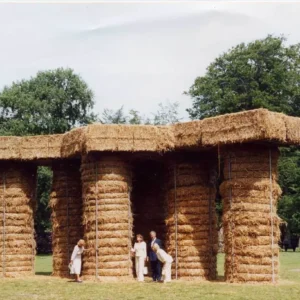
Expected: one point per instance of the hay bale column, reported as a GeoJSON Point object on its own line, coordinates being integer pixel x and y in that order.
{"type": "Point", "coordinates": [66, 204]}
{"type": "Point", "coordinates": [251, 230]}
{"type": "Point", "coordinates": [106, 183]}
{"type": "Point", "coordinates": [17, 244]}
{"type": "Point", "coordinates": [191, 222]}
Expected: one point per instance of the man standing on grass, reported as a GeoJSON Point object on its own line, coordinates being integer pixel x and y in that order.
{"type": "Point", "coordinates": [154, 262]}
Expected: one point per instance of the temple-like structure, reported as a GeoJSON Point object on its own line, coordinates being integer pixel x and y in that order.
{"type": "Point", "coordinates": [113, 181]}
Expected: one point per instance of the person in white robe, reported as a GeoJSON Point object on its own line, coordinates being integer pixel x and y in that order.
{"type": "Point", "coordinates": [140, 252]}
{"type": "Point", "coordinates": [76, 258]}
{"type": "Point", "coordinates": [166, 259]}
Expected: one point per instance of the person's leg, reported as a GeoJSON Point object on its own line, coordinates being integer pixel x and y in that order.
{"type": "Point", "coordinates": [158, 271]}
{"type": "Point", "coordinates": [167, 267]}
{"type": "Point", "coordinates": [153, 269]}
{"type": "Point", "coordinates": [137, 267]}
{"type": "Point", "coordinates": [141, 268]}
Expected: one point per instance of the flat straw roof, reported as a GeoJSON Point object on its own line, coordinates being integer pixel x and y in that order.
{"type": "Point", "coordinates": [258, 125]}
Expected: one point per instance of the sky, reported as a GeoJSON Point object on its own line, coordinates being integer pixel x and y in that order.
{"type": "Point", "coordinates": [131, 54]}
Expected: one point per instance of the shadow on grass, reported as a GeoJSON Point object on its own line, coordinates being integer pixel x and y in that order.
{"type": "Point", "coordinates": [43, 273]}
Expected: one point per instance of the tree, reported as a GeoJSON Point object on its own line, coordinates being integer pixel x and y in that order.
{"type": "Point", "coordinates": [166, 114]}
{"type": "Point", "coordinates": [289, 178]}
{"type": "Point", "coordinates": [110, 116]}
{"type": "Point", "coordinates": [264, 73]}
{"type": "Point", "coordinates": [51, 102]}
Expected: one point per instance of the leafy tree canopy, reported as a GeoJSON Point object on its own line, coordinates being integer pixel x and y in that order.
{"type": "Point", "coordinates": [262, 74]}
{"type": "Point", "coordinates": [51, 102]}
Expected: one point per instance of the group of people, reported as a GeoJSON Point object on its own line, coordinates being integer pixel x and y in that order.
{"type": "Point", "coordinates": [154, 253]}
{"type": "Point", "coordinates": [142, 252]}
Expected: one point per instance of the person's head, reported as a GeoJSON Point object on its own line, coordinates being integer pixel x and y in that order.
{"type": "Point", "coordinates": [155, 247]}
{"type": "Point", "coordinates": [139, 238]}
{"type": "Point", "coordinates": [81, 243]}
{"type": "Point", "coordinates": [153, 235]}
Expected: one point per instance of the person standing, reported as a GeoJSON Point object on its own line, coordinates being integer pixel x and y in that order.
{"type": "Point", "coordinates": [75, 263]}
{"type": "Point", "coordinates": [140, 253]}
{"type": "Point", "coordinates": [154, 262]}
{"type": "Point", "coordinates": [166, 259]}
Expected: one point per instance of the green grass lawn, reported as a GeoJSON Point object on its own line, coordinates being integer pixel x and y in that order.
{"type": "Point", "coordinates": [48, 288]}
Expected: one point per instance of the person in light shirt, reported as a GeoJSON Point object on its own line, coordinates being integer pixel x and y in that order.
{"type": "Point", "coordinates": [140, 252]}
{"type": "Point", "coordinates": [166, 259]}
{"type": "Point", "coordinates": [75, 263]}
{"type": "Point", "coordinates": [154, 262]}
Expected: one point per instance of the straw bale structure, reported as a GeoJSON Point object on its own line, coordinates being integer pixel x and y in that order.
{"type": "Point", "coordinates": [66, 217]}
{"type": "Point", "coordinates": [17, 245]}
{"type": "Point", "coordinates": [113, 155]}
{"type": "Point", "coordinates": [191, 221]}
{"type": "Point", "coordinates": [99, 137]}
{"type": "Point", "coordinates": [106, 184]}
{"type": "Point", "coordinates": [251, 227]}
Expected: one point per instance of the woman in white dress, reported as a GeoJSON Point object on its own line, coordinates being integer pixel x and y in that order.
{"type": "Point", "coordinates": [166, 259]}
{"type": "Point", "coordinates": [140, 253]}
{"type": "Point", "coordinates": [75, 263]}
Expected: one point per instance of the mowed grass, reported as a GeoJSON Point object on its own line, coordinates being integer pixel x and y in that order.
{"type": "Point", "coordinates": [48, 288]}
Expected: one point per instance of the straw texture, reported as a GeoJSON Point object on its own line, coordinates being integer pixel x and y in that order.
{"type": "Point", "coordinates": [248, 221]}
{"type": "Point", "coordinates": [66, 217]}
{"type": "Point", "coordinates": [17, 245]}
{"type": "Point", "coordinates": [192, 202]}
{"type": "Point", "coordinates": [106, 184]}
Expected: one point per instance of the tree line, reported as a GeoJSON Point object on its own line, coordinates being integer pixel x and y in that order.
{"type": "Point", "coordinates": [261, 74]}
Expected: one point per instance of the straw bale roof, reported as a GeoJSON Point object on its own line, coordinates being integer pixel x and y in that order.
{"type": "Point", "coordinates": [258, 125]}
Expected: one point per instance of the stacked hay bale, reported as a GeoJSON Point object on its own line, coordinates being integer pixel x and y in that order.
{"type": "Point", "coordinates": [17, 244]}
{"type": "Point", "coordinates": [191, 222]}
{"type": "Point", "coordinates": [251, 226]}
{"type": "Point", "coordinates": [106, 184]}
{"type": "Point", "coordinates": [66, 205]}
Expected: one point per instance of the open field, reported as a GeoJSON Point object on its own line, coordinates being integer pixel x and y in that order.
{"type": "Point", "coordinates": [48, 288]}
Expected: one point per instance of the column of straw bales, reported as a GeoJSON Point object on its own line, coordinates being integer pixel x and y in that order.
{"type": "Point", "coordinates": [249, 190]}
{"type": "Point", "coordinates": [191, 198]}
{"type": "Point", "coordinates": [66, 205]}
{"type": "Point", "coordinates": [17, 244]}
{"type": "Point", "coordinates": [106, 184]}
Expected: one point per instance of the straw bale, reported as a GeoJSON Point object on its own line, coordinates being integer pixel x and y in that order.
{"type": "Point", "coordinates": [10, 147]}
{"type": "Point", "coordinates": [66, 216]}
{"type": "Point", "coordinates": [106, 183]}
{"type": "Point", "coordinates": [40, 146]}
{"type": "Point", "coordinates": [100, 137]}
{"type": "Point", "coordinates": [188, 134]}
{"type": "Point", "coordinates": [73, 142]}
{"type": "Point", "coordinates": [247, 217]}
{"type": "Point", "coordinates": [17, 245]}
{"type": "Point", "coordinates": [146, 138]}
{"type": "Point", "coordinates": [248, 126]}
{"type": "Point", "coordinates": [196, 226]}
{"type": "Point", "coordinates": [292, 130]}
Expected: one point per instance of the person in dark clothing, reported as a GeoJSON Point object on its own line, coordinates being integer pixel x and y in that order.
{"type": "Point", "coordinates": [154, 262]}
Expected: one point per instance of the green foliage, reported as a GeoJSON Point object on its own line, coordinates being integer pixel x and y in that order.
{"type": "Point", "coordinates": [289, 178]}
{"type": "Point", "coordinates": [42, 217]}
{"type": "Point", "coordinates": [166, 114]}
{"type": "Point", "coordinates": [51, 102]}
{"type": "Point", "coordinates": [264, 73]}
{"type": "Point", "coordinates": [110, 116]}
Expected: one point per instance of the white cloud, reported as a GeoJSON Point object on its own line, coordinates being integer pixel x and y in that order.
{"type": "Point", "coordinates": [135, 55]}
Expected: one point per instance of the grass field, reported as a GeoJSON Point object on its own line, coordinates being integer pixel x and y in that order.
{"type": "Point", "coordinates": [44, 287]}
